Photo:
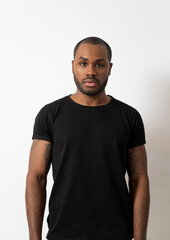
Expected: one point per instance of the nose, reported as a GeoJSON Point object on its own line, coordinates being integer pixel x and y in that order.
{"type": "Point", "coordinates": [90, 70]}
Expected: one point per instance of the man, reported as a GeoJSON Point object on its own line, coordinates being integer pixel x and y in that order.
{"type": "Point", "coordinates": [91, 139]}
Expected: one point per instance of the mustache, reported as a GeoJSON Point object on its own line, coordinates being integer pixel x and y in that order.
{"type": "Point", "coordinates": [93, 78]}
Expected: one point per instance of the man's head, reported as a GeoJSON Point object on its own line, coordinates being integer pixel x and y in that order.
{"type": "Point", "coordinates": [91, 62]}
{"type": "Point", "coordinates": [94, 40]}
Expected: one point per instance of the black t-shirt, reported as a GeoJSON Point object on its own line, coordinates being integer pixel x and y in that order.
{"type": "Point", "coordinates": [89, 198]}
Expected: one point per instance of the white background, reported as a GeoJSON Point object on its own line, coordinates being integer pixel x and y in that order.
{"type": "Point", "coordinates": [37, 39]}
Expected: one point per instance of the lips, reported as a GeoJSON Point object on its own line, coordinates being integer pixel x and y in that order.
{"type": "Point", "coordinates": [90, 83]}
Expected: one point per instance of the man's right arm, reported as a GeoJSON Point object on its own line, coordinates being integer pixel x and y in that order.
{"type": "Point", "coordinates": [35, 192]}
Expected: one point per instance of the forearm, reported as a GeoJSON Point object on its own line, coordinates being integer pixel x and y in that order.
{"type": "Point", "coordinates": [139, 189]}
{"type": "Point", "coordinates": [35, 197]}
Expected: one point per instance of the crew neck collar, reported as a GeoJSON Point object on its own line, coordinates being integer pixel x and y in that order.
{"type": "Point", "coordinates": [70, 100]}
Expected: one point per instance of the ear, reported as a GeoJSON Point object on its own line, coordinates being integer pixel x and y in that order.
{"type": "Point", "coordinates": [72, 66]}
{"type": "Point", "coordinates": [110, 67]}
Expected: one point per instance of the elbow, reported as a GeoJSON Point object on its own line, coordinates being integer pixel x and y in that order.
{"type": "Point", "coordinates": [139, 184]}
{"type": "Point", "coordinates": [32, 178]}
{"type": "Point", "coordinates": [135, 178]}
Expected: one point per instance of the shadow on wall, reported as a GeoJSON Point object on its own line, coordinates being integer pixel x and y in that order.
{"type": "Point", "coordinates": [157, 126]}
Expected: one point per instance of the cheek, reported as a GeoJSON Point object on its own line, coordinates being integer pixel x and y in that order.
{"type": "Point", "coordinates": [79, 72]}
{"type": "Point", "coordinates": [104, 73]}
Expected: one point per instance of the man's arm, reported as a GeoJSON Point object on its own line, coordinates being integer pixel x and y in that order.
{"type": "Point", "coordinates": [139, 190]}
{"type": "Point", "coordinates": [35, 192]}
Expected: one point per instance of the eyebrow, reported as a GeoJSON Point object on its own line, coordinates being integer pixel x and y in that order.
{"type": "Point", "coordinates": [99, 59]}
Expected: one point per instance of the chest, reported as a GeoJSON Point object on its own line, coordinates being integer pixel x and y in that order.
{"type": "Point", "coordinates": [101, 129]}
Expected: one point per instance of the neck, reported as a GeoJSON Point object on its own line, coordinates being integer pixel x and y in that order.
{"type": "Point", "coordinates": [96, 100]}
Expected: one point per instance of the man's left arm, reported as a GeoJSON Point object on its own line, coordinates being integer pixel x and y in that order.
{"type": "Point", "coordinates": [139, 190]}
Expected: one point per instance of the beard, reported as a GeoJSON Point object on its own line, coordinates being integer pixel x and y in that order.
{"type": "Point", "coordinates": [92, 91]}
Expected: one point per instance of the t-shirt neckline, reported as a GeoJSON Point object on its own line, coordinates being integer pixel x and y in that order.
{"type": "Point", "coordinates": [70, 100]}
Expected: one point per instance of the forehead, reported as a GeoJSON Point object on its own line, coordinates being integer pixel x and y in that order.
{"type": "Point", "coordinates": [88, 50]}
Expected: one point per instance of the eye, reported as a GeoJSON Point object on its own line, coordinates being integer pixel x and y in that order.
{"type": "Point", "coordinates": [83, 63]}
{"type": "Point", "coordinates": [99, 65]}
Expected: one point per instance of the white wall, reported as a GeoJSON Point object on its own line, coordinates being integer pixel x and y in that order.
{"type": "Point", "coordinates": [37, 39]}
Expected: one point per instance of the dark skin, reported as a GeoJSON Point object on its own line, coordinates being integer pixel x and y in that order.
{"type": "Point", "coordinates": [35, 194]}
{"type": "Point", "coordinates": [86, 65]}
{"type": "Point", "coordinates": [139, 190]}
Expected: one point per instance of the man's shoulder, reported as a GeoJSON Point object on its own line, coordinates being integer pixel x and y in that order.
{"type": "Point", "coordinates": [52, 108]}
{"type": "Point", "coordinates": [125, 107]}
{"type": "Point", "coordinates": [56, 103]}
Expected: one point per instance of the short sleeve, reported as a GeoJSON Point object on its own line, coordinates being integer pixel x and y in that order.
{"type": "Point", "coordinates": [137, 131]}
{"type": "Point", "coordinates": [42, 125]}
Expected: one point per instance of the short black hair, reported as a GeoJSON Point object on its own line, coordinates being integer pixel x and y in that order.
{"type": "Point", "coordinates": [94, 40]}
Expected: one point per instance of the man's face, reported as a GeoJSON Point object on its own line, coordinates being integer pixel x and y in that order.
{"type": "Point", "coordinates": [91, 63]}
